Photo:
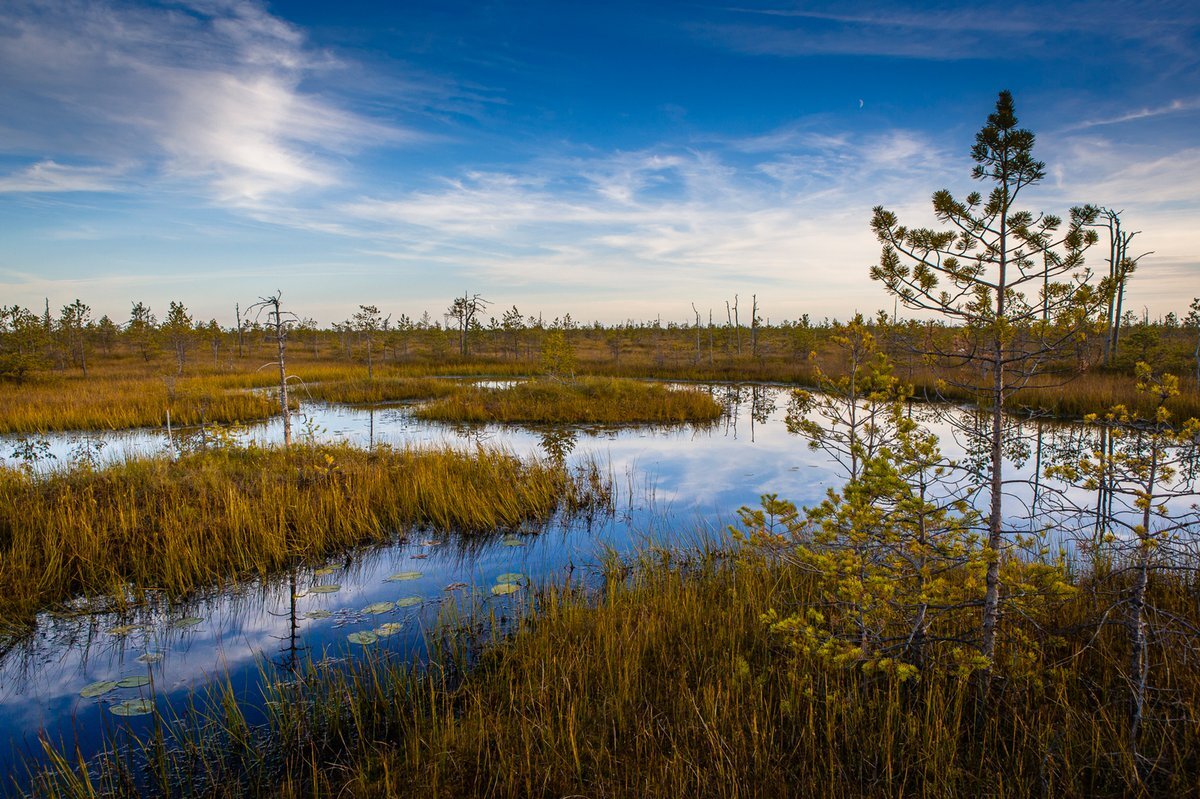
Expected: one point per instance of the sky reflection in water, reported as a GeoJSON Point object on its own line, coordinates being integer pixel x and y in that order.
{"type": "Point", "coordinates": [674, 485]}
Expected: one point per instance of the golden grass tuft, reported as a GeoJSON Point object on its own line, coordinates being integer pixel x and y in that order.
{"type": "Point", "coordinates": [210, 518]}
{"type": "Point", "coordinates": [585, 401]}
{"type": "Point", "coordinates": [362, 391]}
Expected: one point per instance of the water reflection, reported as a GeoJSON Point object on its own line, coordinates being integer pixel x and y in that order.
{"type": "Point", "coordinates": [671, 485]}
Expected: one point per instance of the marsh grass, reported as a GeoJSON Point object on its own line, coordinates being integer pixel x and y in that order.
{"type": "Point", "coordinates": [380, 390]}
{"type": "Point", "coordinates": [121, 403]}
{"type": "Point", "coordinates": [583, 401]}
{"type": "Point", "coordinates": [668, 683]}
{"type": "Point", "coordinates": [121, 393]}
{"type": "Point", "coordinates": [210, 518]}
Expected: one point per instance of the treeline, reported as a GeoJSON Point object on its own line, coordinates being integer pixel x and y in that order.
{"type": "Point", "coordinates": [73, 339]}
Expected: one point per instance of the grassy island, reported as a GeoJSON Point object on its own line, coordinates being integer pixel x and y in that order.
{"type": "Point", "coordinates": [211, 517]}
{"type": "Point", "coordinates": [590, 400]}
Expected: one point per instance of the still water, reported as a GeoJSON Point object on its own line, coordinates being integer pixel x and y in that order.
{"type": "Point", "coordinates": [673, 486]}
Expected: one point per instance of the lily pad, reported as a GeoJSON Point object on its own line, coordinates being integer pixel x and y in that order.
{"type": "Point", "coordinates": [150, 657]}
{"type": "Point", "coordinates": [331, 588]}
{"type": "Point", "coordinates": [318, 614]}
{"type": "Point", "coordinates": [363, 638]}
{"type": "Point", "coordinates": [505, 588]}
{"type": "Point", "coordinates": [187, 621]}
{"type": "Point", "coordinates": [303, 592]}
{"type": "Point", "coordinates": [379, 607]}
{"type": "Point", "coordinates": [510, 577]}
{"type": "Point", "coordinates": [409, 601]}
{"type": "Point", "coordinates": [325, 571]}
{"type": "Point", "coordinates": [399, 577]}
{"type": "Point", "coordinates": [391, 628]}
{"type": "Point", "coordinates": [133, 707]}
{"type": "Point", "coordinates": [125, 629]}
{"type": "Point", "coordinates": [455, 587]}
{"type": "Point", "coordinates": [511, 541]}
{"type": "Point", "coordinates": [136, 681]}
{"type": "Point", "coordinates": [98, 688]}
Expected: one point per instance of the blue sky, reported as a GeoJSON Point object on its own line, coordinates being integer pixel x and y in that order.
{"type": "Point", "coordinates": [615, 160]}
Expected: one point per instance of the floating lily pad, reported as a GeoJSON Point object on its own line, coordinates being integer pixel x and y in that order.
{"type": "Point", "coordinates": [429, 542]}
{"type": "Point", "coordinates": [303, 592]}
{"type": "Point", "coordinates": [511, 541]}
{"type": "Point", "coordinates": [318, 614]}
{"type": "Point", "coordinates": [510, 577]}
{"type": "Point", "coordinates": [363, 638]}
{"type": "Point", "coordinates": [187, 621]}
{"type": "Point", "coordinates": [379, 607]}
{"type": "Point", "coordinates": [150, 657]}
{"type": "Point", "coordinates": [409, 601]}
{"type": "Point", "coordinates": [505, 588]}
{"type": "Point", "coordinates": [331, 588]}
{"type": "Point", "coordinates": [98, 688]}
{"type": "Point", "coordinates": [391, 628]}
{"type": "Point", "coordinates": [136, 681]}
{"type": "Point", "coordinates": [455, 587]}
{"type": "Point", "coordinates": [133, 707]}
{"type": "Point", "coordinates": [420, 556]}
{"type": "Point", "coordinates": [399, 577]}
{"type": "Point", "coordinates": [325, 571]}
{"type": "Point", "coordinates": [125, 629]}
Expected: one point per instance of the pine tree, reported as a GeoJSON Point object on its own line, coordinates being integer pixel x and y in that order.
{"type": "Point", "coordinates": [1012, 287]}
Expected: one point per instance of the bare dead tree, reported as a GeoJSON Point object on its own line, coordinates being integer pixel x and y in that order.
{"type": "Point", "coordinates": [1120, 266]}
{"type": "Point", "coordinates": [463, 311]}
{"type": "Point", "coordinates": [279, 322]}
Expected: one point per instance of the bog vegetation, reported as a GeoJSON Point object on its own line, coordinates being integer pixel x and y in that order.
{"type": "Point", "coordinates": [583, 401]}
{"type": "Point", "coordinates": [920, 631]}
{"type": "Point", "coordinates": [214, 517]}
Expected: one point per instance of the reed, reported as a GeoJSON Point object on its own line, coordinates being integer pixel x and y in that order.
{"type": "Point", "coordinates": [583, 401]}
{"type": "Point", "coordinates": [214, 517]}
{"type": "Point", "coordinates": [668, 683]}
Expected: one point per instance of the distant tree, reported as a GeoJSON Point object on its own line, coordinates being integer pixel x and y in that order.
{"type": "Point", "coordinates": [278, 324]}
{"type": "Point", "coordinates": [106, 334]}
{"type": "Point", "coordinates": [1121, 265]}
{"type": "Point", "coordinates": [141, 331]}
{"type": "Point", "coordinates": [513, 324]}
{"type": "Point", "coordinates": [73, 326]}
{"type": "Point", "coordinates": [558, 356]}
{"type": "Point", "coordinates": [180, 332]}
{"type": "Point", "coordinates": [401, 336]}
{"type": "Point", "coordinates": [312, 332]}
{"type": "Point", "coordinates": [464, 311]}
{"type": "Point", "coordinates": [368, 322]}
{"type": "Point", "coordinates": [22, 341]}
{"type": "Point", "coordinates": [214, 334]}
{"type": "Point", "coordinates": [1012, 285]}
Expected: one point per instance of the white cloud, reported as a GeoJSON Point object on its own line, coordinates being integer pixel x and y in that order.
{"type": "Point", "coordinates": [51, 176]}
{"type": "Point", "coordinates": [210, 91]}
{"type": "Point", "coordinates": [1174, 107]}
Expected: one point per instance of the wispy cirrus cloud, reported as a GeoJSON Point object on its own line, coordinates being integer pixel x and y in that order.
{"type": "Point", "coordinates": [212, 92]}
{"type": "Point", "coordinates": [50, 176]}
{"type": "Point", "coordinates": [1179, 106]}
{"type": "Point", "coordinates": [666, 220]}
{"type": "Point", "coordinates": [944, 32]}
